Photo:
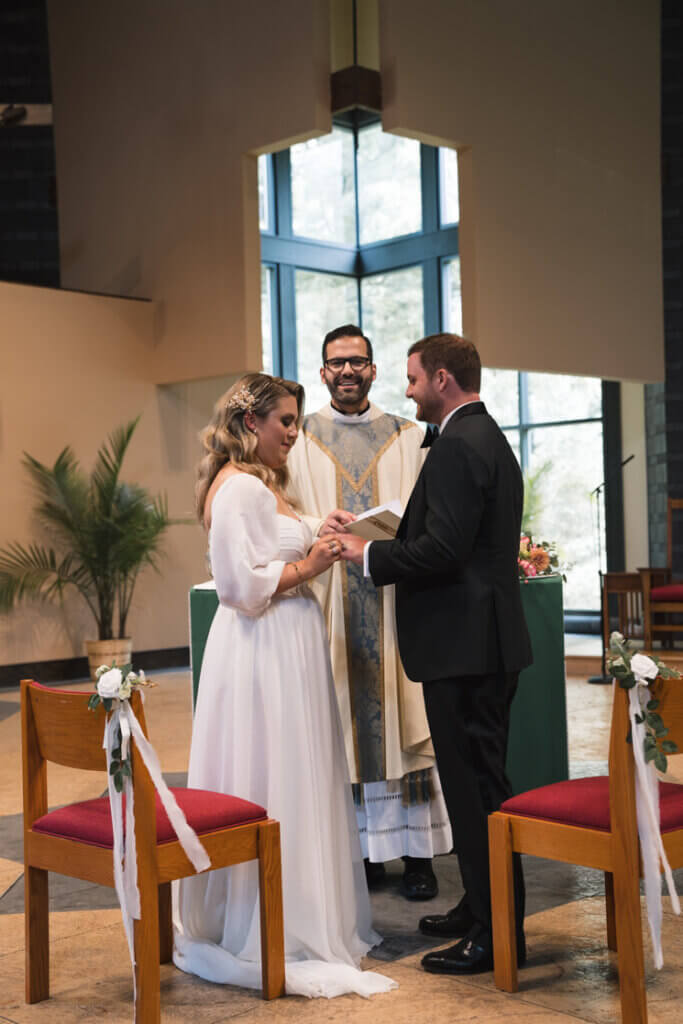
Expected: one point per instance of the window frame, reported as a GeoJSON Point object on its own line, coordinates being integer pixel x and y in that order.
{"type": "Point", "coordinates": [430, 248]}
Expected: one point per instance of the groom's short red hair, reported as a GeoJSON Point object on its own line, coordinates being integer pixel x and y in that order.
{"type": "Point", "coordinates": [452, 353]}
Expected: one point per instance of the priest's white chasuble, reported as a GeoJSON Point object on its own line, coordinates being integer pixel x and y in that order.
{"type": "Point", "coordinates": [357, 462]}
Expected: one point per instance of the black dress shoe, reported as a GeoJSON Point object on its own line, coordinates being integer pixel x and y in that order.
{"type": "Point", "coordinates": [375, 873]}
{"type": "Point", "coordinates": [472, 955]}
{"type": "Point", "coordinates": [419, 881]}
{"type": "Point", "coordinates": [453, 925]}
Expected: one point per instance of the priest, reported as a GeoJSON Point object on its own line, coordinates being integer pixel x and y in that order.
{"type": "Point", "coordinates": [352, 456]}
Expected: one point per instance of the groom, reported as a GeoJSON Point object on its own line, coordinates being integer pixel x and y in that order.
{"type": "Point", "coordinates": [460, 622]}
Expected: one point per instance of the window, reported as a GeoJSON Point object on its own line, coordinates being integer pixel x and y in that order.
{"type": "Point", "coordinates": [554, 424]}
{"type": "Point", "coordinates": [323, 188]}
{"type": "Point", "coordinates": [393, 315]}
{"type": "Point", "coordinates": [452, 294]}
{"type": "Point", "coordinates": [264, 192]}
{"type": "Point", "coordinates": [389, 187]}
{"type": "Point", "coordinates": [350, 232]}
{"type": "Point", "coordinates": [450, 198]}
{"type": "Point", "coordinates": [360, 226]}
{"type": "Point", "coordinates": [267, 275]}
{"type": "Point", "coordinates": [321, 299]}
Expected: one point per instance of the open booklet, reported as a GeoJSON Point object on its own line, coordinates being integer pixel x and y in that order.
{"type": "Point", "coordinates": [380, 523]}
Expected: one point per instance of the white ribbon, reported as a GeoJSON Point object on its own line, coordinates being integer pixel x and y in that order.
{"type": "Point", "coordinates": [125, 854]}
{"type": "Point", "coordinates": [647, 808]}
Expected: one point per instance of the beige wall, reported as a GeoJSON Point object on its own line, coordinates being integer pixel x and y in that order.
{"type": "Point", "coordinates": [73, 368]}
{"type": "Point", "coordinates": [554, 108]}
{"type": "Point", "coordinates": [160, 106]}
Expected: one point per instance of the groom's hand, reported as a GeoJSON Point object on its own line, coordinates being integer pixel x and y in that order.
{"type": "Point", "coordinates": [352, 548]}
{"type": "Point", "coordinates": [336, 521]}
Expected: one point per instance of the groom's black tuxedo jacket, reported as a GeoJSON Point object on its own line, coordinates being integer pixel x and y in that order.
{"type": "Point", "coordinates": [454, 559]}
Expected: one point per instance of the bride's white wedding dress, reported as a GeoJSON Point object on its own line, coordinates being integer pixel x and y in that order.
{"type": "Point", "coordinates": [267, 728]}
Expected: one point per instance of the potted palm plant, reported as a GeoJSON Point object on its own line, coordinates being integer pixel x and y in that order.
{"type": "Point", "coordinates": [104, 533]}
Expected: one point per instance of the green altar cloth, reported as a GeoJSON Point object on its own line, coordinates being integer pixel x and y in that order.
{"type": "Point", "coordinates": [537, 748]}
{"type": "Point", "coordinates": [537, 752]}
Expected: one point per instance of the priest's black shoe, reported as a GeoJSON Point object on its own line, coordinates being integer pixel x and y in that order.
{"type": "Point", "coordinates": [419, 881]}
{"type": "Point", "coordinates": [375, 873]}
{"type": "Point", "coordinates": [453, 925]}
{"type": "Point", "coordinates": [472, 955]}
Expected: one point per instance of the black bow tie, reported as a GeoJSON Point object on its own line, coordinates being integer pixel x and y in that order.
{"type": "Point", "coordinates": [430, 437]}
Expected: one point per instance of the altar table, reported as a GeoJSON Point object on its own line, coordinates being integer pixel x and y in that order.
{"type": "Point", "coordinates": [537, 751]}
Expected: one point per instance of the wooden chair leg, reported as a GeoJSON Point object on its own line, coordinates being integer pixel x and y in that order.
{"type": "Point", "coordinates": [502, 903]}
{"type": "Point", "coordinates": [272, 925]}
{"type": "Point", "coordinates": [609, 911]}
{"type": "Point", "coordinates": [36, 923]}
{"type": "Point", "coordinates": [147, 947]}
{"type": "Point", "coordinates": [630, 948]}
{"type": "Point", "coordinates": [165, 924]}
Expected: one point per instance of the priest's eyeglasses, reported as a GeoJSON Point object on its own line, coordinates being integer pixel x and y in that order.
{"type": "Point", "coordinates": [355, 362]}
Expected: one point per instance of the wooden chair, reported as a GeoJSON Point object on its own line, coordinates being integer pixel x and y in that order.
{"type": "Point", "coordinates": [77, 841]}
{"type": "Point", "coordinates": [622, 592]}
{"type": "Point", "coordinates": [661, 594]}
{"type": "Point", "coordinates": [591, 822]}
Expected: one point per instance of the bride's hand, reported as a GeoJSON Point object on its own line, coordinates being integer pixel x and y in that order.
{"type": "Point", "coordinates": [323, 554]}
{"type": "Point", "coordinates": [335, 522]}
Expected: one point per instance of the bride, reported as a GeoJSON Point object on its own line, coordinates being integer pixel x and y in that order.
{"type": "Point", "coordinates": [266, 724]}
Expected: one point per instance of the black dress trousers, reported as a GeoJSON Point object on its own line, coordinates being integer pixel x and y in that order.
{"type": "Point", "coordinates": [469, 718]}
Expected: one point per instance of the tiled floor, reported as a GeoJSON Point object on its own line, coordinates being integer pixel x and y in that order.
{"type": "Point", "coordinates": [570, 975]}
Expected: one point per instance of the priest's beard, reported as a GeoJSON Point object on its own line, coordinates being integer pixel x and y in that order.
{"type": "Point", "coordinates": [352, 400]}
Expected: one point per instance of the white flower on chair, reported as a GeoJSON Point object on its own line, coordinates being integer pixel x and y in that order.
{"type": "Point", "coordinates": [643, 667]}
{"type": "Point", "coordinates": [631, 669]}
{"type": "Point", "coordinates": [109, 683]}
{"type": "Point", "coordinates": [126, 688]}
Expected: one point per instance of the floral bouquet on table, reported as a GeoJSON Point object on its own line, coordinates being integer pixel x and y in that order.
{"type": "Point", "coordinates": [537, 558]}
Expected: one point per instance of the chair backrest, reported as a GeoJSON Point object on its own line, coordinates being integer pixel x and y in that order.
{"type": "Point", "coordinates": [669, 693]}
{"type": "Point", "coordinates": [622, 592]}
{"type": "Point", "coordinates": [62, 727]}
{"type": "Point", "coordinates": [672, 505]}
{"type": "Point", "coordinates": [57, 726]}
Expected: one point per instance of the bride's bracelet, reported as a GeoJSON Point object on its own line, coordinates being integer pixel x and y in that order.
{"type": "Point", "coordinates": [297, 570]}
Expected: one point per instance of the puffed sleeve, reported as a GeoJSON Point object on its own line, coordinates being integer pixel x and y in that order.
{"type": "Point", "coordinates": [244, 544]}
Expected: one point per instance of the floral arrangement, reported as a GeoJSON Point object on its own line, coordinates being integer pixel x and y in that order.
{"type": "Point", "coordinates": [630, 668]}
{"type": "Point", "coordinates": [117, 684]}
{"type": "Point", "coordinates": [537, 558]}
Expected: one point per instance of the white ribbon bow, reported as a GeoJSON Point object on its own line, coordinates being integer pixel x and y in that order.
{"type": "Point", "coordinates": [647, 807]}
{"type": "Point", "coordinates": [125, 854]}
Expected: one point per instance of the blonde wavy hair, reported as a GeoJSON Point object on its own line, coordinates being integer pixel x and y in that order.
{"type": "Point", "coordinates": [227, 438]}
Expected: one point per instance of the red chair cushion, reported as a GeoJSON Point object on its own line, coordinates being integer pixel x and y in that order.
{"type": "Point", "coordinates": [90, 820]}
{"type": "Point", "coordinates": [670, 592]}
{"type": "Point", "coordinates": [585, 802]}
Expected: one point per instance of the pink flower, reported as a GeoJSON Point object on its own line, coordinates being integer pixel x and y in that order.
{"type": "Point", "coordinates": [540, 559]}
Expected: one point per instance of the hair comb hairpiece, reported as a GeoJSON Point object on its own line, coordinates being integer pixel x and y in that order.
{"type": "Point", "coordinates": [242, 399]}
